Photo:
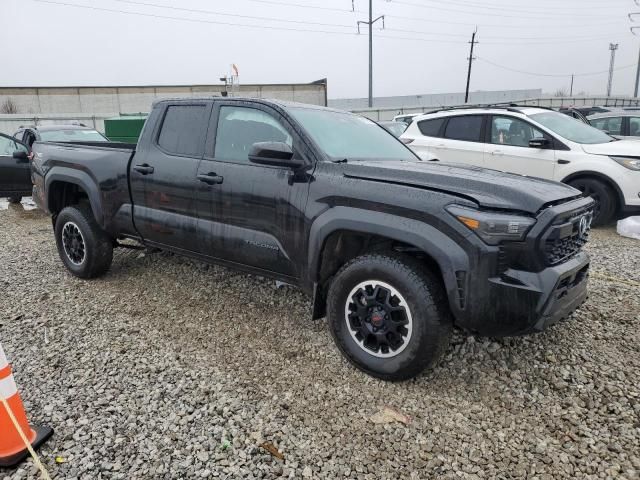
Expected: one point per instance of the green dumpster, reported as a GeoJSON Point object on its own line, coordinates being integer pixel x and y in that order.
{"type": "Point", "coordinates": [125, 128]}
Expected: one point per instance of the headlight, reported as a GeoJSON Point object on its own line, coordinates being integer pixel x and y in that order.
{"type": "Point", "coordinates": [492, 227]}
{"type": "Point", "coordinates": [632, 163]}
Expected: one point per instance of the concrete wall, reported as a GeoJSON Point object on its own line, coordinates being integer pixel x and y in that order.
{"type": "Point", "coordinates": [109, 101]}
{"type": "Point", "coordinates": [434, 99]}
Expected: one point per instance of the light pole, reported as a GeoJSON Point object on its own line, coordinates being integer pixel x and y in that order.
{"type": "Point", "coordinates": [613, 47]}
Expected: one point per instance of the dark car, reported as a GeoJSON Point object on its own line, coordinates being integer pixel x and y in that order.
{"type": "Point", "coordinates": [395, 128]}
{"type": "Point", "coordinates": [394, 250]}
{"type": "Point", "coordinates": [15, 177]}
{"type": "Point", "coordinates": [58, 133]}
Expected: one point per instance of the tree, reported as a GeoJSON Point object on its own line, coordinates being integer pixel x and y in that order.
{"type": "Point", "coordinates": [8, 106]}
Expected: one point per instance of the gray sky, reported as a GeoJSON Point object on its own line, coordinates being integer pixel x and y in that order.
{"type": "Point", "coordinates": [423, 48]}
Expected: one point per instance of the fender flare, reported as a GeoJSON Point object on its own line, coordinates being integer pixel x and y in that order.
{"type": "Point", "coordinates": [448, 254]}
{"type": "Point", "coordinates": [82, 180]}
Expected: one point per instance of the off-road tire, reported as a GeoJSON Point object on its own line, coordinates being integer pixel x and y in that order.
{"type": "Point", "coordinates": [98, 247]}
{"type": "Point", "coordinates": [431, 318]}
{"type": "Point", "coordinates": [602, 195]}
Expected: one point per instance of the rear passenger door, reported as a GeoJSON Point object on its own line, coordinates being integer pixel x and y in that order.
{"type": "Point", "coordinates": [251, 214]}
{"type": "Point", "coordinates": [163, 175]}
{"type": "Point", "coordinates": [463, 140]}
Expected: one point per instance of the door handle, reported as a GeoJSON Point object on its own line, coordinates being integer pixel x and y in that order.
{"type": "Point", "coordinates": [497, 152]}
{"type": "Point", "coordinates": [211, 178]}
{"type": "Point", "coordinates": [563, 162]}
{"type": "Point", "coordinates": [144, 169]}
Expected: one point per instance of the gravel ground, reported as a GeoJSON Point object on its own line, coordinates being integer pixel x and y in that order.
{"type": "Point", "coordinates": [169, 368]}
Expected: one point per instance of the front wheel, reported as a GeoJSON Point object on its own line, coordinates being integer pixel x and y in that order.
{"type": "Point", "coordinates": [84, 248]}
{"type": "Point", "coordinates": [388, 315]}
{"type": "Point", "coordinates": [602, 195]}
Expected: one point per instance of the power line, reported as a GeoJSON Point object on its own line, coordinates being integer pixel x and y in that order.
{"type": "Point", "coordinates": [210, 12]}
{"type": "Point", "coordinates": [505, 8]}
{"type": "Point", "coordinates": [430, 7]}
{"type": "Point", "coordinates": [277, 28]}
{"type": "Point", "coordinates": [555, 75]}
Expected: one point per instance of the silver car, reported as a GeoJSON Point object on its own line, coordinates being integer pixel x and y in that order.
{"type": "Point", "coordinates": [620, 124]}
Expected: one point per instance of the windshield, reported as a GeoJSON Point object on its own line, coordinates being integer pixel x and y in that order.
{"type": "Point", "coordinates": [570, 128]}
{"type": "Point", "coordinates": [72, 135]}
{"type": "Point", "coordinates": [347, 136]}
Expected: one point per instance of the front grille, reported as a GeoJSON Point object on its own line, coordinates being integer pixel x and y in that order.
{"type": "Point", "coordinates": [565, 239]}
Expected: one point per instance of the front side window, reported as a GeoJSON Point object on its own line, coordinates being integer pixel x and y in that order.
{"type": "Point", "coordinates": [513, 131]}
{"type": "Point", "coordinates": [431, 127]}
{"type": "Point", "coordinates": [8, 145]}
{"type": "Point", "coordinates": [611, 125]}
{"type": "Point", "coordinates": [346, 136]}
{"type": "Point", "coordinates": [570, 128]}
{"type": "Point", "coordinates": [240, 127]}
{"type": "Point", "coordinates": [634, 126]}
{"type": "Point", "coordinates": [183, 130]}
{"type": "Point", "coordinates": [467, 128]}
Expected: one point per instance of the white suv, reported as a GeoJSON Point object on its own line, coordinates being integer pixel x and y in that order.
{"type": "Point", "coordinates": [537, 142]}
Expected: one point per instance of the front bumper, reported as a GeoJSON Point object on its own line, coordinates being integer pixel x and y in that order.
{"type": "Point", "coordinates": [520, 302]}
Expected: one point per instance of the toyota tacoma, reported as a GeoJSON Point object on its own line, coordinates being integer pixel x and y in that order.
{"type": "Point", "coordinates": [395, 251]}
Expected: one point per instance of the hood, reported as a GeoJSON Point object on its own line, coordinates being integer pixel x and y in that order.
{"type": "Point", "coordinates": [488, 188]}
{"type": "Point", "coordinates": [626, 148]}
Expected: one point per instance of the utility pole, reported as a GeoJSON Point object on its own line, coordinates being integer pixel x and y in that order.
{"type": "Point", "coordinates": [370, 24]}
{"type": "Point", "coordinates": [613, 47]}
{"type": "Point", "coordinates": [471, 59]}
{"type": "Point", "coordinates": [571, 89]}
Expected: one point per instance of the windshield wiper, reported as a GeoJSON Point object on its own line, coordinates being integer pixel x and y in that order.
{"type": "Point", "coordinates": [344, 160]}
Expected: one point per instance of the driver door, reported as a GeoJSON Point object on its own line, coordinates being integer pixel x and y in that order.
{"type": "Point", "coordinates": [15, 174]}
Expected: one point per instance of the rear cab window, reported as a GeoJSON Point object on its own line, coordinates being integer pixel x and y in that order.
{"type": "Point", "coordinates": [467, 128]}
{"type": "Point", "coordinates": [183, 130]}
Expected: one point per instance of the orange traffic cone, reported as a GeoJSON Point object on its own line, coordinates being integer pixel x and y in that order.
{"type": "Point", "coordinates": [12, 447]}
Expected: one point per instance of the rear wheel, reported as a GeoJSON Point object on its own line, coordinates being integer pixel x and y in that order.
{"type": "Point", "coordinates": [84, 248]}
{"type": "Point", "coordinates": [602, 195]}
{"type": "Point", "coordinates": [388, 315]}
{"type": "Point", "coordinates": [15, 199]}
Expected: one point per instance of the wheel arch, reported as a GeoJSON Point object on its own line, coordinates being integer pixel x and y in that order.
{"type": "Point", "coordinates": [589, 174]}
{"type": "Point", "coordinates": [66, 187]}
{"type": "Point", "coordinates": [381, 229]}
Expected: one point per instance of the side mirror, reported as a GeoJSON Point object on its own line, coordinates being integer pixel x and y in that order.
{"type": "Point", "coordinates": [539, 143]}
{"type": "Point", "coordinates": [277, 154]}
{"type": "Point", "coordinates": [21, 156]}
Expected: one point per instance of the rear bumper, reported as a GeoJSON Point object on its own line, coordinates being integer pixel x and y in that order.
{"type": "Point", "coordinates": [520, 302]}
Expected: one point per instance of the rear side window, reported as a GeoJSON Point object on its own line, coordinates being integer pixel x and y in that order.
{"type": "Point", "coordinates": [465, 127]}
{"type": "Point", "coordinates": [634, 126]}
{"type": "Point", "coordinates": [183, 130]}
{"type": "Point", "coordinates": [431, 128]}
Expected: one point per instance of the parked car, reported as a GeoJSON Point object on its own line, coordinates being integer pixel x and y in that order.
{"type": "Point", "coordinates": [575, 113]}
{"type": "Point", "coordinates": [58, 133]}
{"type": "Point", "coordinates": [586, 111]}
{"type": "Point", "coordinates": [15, 176]}
{"type": "Point", "coordinates": [394, 250]}
{"type": "Point", "coordinates": [395, 128]}
{"type": "Point", "coordinates": [621, 124]}
{"type": "Point", "coordinates": [536, 142]}
{"type": "Point", "coordinates": [406, 117]}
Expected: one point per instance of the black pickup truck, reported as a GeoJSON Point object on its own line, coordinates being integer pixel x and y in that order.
{"type": "Point", "coordinates": [394, 250]}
